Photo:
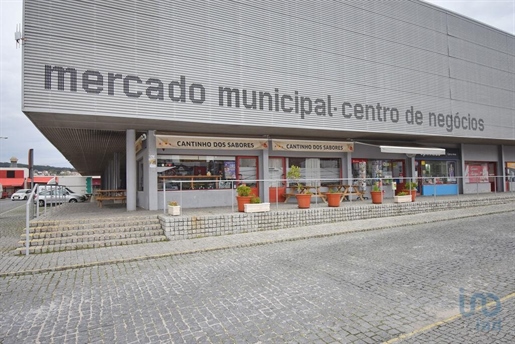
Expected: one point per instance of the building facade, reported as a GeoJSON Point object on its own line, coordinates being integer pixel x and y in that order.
{"type": "Point", "coordinates": [215, 92]}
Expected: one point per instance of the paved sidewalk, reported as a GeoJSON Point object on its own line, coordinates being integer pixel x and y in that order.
{"type": "Point", "coordinates": [32, 264]}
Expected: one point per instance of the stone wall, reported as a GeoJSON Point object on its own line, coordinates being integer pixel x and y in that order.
{"type": "Point", "coordinates": [188, 227]}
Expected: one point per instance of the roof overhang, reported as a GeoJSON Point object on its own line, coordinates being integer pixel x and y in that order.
{"type": "Point", "coordinates": [412, 150]}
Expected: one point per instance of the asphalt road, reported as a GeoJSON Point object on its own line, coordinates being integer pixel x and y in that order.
{"type": "Point", "coordinates": [6, 204]}
{"type": "Point", "coordinates": [368, 287]}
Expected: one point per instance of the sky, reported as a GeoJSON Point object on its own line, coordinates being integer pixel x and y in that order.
{"type": "Point", "coordinates": [23, 135]}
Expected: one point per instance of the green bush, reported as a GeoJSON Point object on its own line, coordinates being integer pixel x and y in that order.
{"type": "Point", "coordinates": [243, 190]}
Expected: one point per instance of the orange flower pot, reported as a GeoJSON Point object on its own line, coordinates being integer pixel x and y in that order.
{"type": "Point", "coordinates": [333, 199]}
{"type": "Point", "coordinates": [377, 197]}
{"type": "Point", "coordinates": [303, 200]}
{"type": "Point", "coordinates": [242, 200]}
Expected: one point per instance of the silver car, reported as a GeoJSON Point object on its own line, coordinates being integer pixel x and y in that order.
{"type": "Point", "coordinates": [57, 196]}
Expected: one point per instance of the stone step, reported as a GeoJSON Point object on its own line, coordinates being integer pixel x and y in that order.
{"type": "Point", "coordinates": [92, 244]}
{"type": "Point", "coordinates": [91, 220]}
{"type": "Point", "coordinates": [88, 231]}
{"type": "Point", "coordinates": [93, 225]}
{"type": "Point", "coordinates": [91, 238]}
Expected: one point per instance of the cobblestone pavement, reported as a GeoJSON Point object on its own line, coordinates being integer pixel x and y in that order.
{"type": "Point", "coordinates": [364, 287]}
{"type": "Point", "coordinates": [12, 222]}
{"type": "Point", "coordinates": [11, 264]}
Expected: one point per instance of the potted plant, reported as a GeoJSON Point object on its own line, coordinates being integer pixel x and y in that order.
{"type": "Point", "coordinates": [411, 188]}
{"type": "Point", "coordinates": [244, 196]}
{"type": "Point", "coordinates": [376, 194]}
{"type": "Point", "coordinates": [303, 199]}
{"type": "Point", "coordinates": [402, 197]}
{"type": "Point", "coordinates": [333, 198]}
{"type": "Point", "coordinates": [256, 205]}
{"type": "Point", "coordinates": [174, 208]}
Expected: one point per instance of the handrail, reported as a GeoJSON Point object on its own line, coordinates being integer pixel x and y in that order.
{"type": "Point", "coordinates": [30, 202]}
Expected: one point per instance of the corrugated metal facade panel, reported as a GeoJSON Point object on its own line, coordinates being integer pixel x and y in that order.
{"type": "Point", "coordinates": [356, 52]}
{"type": "Point", "coordinates": [468, 30]}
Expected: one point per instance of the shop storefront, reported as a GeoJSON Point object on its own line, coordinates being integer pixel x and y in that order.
{"type": "Point", "coordinates": [439, 173]}
{"type": "Point", "coordinates": [203, 171]}
{"type": "Point", "coordinates": [480, 175]}
{"type": "Point", "coordinates": [321, 163]}
{"type": "Point", "coordinates": [391, 173]}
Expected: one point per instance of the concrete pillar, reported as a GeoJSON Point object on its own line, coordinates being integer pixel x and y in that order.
{"type": "Point", "coordinates": [501, 182]}
{"type": "Point", "coordinates": [131, 169]}
{"type": "Point", "coordinates": [151, 172]}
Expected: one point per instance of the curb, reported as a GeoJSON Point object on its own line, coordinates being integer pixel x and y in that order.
{"type": "Point", "coordinates": [233, 246]}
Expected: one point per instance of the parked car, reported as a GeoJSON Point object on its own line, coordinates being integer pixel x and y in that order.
{"type": "Point", "coordinates": [20, 195]}
{"type": "Point", "coordinates": [56, 196]}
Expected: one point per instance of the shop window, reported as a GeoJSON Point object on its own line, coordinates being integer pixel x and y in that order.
{"type": "Point", "coordinates": [247, 171]}
{"type": "Point", "coordinates": [313, 170]}
{"type": "Point", "coordinates": [276, 171]}
{"type": "Point", "coordinates": [477, 172]}
{"type": "Point", "coordinates": [194, 172]}
{"type": "Point", "coordinates": [368, 170]}
{"type": "Point", "coordinates": [438, 172]}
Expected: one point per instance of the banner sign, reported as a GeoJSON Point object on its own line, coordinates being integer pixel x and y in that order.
{"type": "Point", "coordinates": [312, 146]}
{"type": "Point", "coordinates": [218, 143]}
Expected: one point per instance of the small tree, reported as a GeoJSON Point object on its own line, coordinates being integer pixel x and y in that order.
{"type": "Point", "coordinates": [294, 175]}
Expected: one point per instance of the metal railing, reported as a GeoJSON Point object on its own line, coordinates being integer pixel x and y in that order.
{"type": "Point", "coordinates": [463, 185]}
{"type": "Point", "coordinates": [31, 211]}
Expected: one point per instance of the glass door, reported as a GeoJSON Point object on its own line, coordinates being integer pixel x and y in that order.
{"type": "Point", "coordinates": [276, 173]}
{"type": "Point", "coordinates": [248, 172]}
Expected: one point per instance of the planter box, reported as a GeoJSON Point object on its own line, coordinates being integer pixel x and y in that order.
{"type": "Point", "coordinates": [402, 199]}
{"type": "Point", "coordinates": [174, 210]}
{"type": "Point", "coordinates": [257, 207]}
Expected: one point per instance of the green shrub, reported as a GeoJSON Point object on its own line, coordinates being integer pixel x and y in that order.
{"type": "Point", "coordinates": [243, 190]}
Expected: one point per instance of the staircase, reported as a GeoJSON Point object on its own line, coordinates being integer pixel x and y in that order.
{"type": "Point", "coordinates": [64, 235]}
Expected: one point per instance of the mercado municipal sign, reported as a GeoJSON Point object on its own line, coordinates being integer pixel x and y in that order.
{"type": "Point", "coordinates": [312, 146]}
{"type": "Point", "coordinates": [193, 142]}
